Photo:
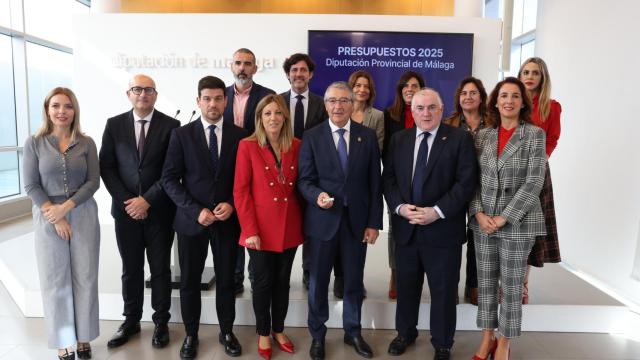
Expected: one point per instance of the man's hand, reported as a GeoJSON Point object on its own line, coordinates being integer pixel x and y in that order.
{"type": "Point", "coordinates": [223, 211]}
{"type": "Point", "coordinates": [63, 228]}
{"type": "Point", "coordinates": [487, 224]}
{"type": "Point", "coordinates": [370, 236]}
{"type": "Point", "coordinates": [324, 201]}
{"type": "Point", "coordinates": [206, 217]}
{"type": "Point", "coordinates": [419, 215]}
{"type": "Point", "coordinates": [137, 208]}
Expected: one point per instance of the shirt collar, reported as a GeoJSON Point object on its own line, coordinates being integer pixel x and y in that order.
{"type": "Point", "coordinates": [243, 92]}
{"type": "Point", "coordinates": [206, 125]}
{"type": "Point", "coordinates": [334, 128]}
{"type": "Point", "coordinates": [148, 117]}
{"type": "Point", "coordinates": [305, 94]}
{"type": "Point", "coordinates": [432, 132]}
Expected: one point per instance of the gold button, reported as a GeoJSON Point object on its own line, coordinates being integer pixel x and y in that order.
{"type": "Point", "coordinates": [285, 199]}
{"type": "Point", "coordinates": [270, 184]}
{"type": "Point", "coordinates": [291, 167]}
{"type": "Point", "coordinates": [275, 199]}
{"type": "Point", "coordinates": [266, 168]}
{"type": "Point", "coordinates": [290, 184]}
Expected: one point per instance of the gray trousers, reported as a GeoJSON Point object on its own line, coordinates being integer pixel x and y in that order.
{"type": "Point", "coordinates": [69, 275]}
{"type": "Point", "coordinates": [504, 259]}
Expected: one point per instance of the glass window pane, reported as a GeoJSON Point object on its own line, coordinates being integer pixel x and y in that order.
{"type": "Point", "coordinates": [9, 176]}
{"type": "Point", "coordinates": [49, 20]}
{"type": "Point", "coordinates": [5, 13]}
{"type": "Point", "coordinates": [515, 61]}
{"type": "Point", "coordinates": [492, 9]}
{"type": "Point", "coordinates": [46, 69]}
{"type": "Point", "coordinates": [528, 50]}
{"type": "Point", "coordinates": [517, 18]}
{"type": "Point", "coordinates": [8, 135]}
{"type": "Point", "coordinates": [530, 14]}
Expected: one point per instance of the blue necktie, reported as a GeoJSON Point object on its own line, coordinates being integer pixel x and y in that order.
{"type": "Point", "coordinates": [298, 118]}
{"type": "Point", "coordinates": [342, 155]}
{"type": "Point", "coordinates": [213, 147]}
{"type": "Point", "coordinates": [421, 170]}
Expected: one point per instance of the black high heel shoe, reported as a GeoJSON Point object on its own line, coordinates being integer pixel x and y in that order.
{"type": "Point", "coordinates": [67, 355]}
{"type": "Point", "coordinates": [84, 353]}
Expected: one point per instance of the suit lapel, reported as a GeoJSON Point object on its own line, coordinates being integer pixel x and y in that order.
{"type": "Point", "coordinates": [311, 111]}
{"type": "Point", "coordinates": [327, 138]}
{"type": "Point", "coordinates": [201, 143]}
{"type": "Point", "coordinates": [130, 135]}
{"type": "Point", "coordinates": [251, 104]}
{"type": "Point", "coordinates": [407, 146]}
{"type": "Point", "coordinates": [512, 146]}
{"type": "Point", "coordinates": [355, 145]}
{"type": "Point", "coordinates": [439, 143]}
{"type": "Point", "coordinates": [492, 150]}
{"type": "Point", "coordinates": [151, 134]}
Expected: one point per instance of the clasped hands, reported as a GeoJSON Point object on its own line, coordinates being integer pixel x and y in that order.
{"type": "Point", "coordinates": [55, 214]}
{"type": "Point", "coordinates": [418, 215]}
{"type": "Point", "coordinates": [490, 224]}
{"type": "Point", "coordinates": [137, 208]}
{"type": "Point", "coordinates": [221, 212]}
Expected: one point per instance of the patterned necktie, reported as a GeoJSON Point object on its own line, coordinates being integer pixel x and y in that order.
{"type": "Point", "coordinates": [342, 150]}
{"type": "Point", "coordinates": [141, 139]}
{"type": "Point", "coordinates": [421, 170]}
{"type": "Point", "coordinates": [213, 147]}
{"type": "Point", "coordinates": [298, 123]}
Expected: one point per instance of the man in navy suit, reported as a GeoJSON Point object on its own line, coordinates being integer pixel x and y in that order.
{"type": "Point", "coordinates": [339, 177]}
{"type": "Point", "coordinates": [198, 176]}
{"type": "Point", "coordinates": [242, 98]}
{"type": "Point", "coordinates": [307, 110]}
{"type": "Point", "coordinates": [430, 175]}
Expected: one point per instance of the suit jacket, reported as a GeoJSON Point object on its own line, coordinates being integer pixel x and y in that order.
{"type": "Point", "coordinates": [320, 170]}
{"type": "Point", "coordinates": [126, 175]}
{"type": "Point", "coordinates": [316, 113]}
{"type": "Point", "coordinates": [510, 184]}
{"type": "Point", "coordinates": [255, 95]}
{"type": "Point", "coordinates": [266, 207]}
{"type": "Point", "coordinates": [190, 180]}
{"type": "Point", "coordinates": [450, 182]}
{"type": "Point", "coordinates": [391, 127]}
{"type": "Point", "coordinates": [374, 119]}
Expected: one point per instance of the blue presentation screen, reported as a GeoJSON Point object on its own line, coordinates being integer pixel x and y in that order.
{"type": "Point", "coordinates": [442, 58]}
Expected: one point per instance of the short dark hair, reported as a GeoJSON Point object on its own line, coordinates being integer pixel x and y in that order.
{"type": "Point", "coordinates": [525, 111]}
{"type": "Point", "coordinates": [295, 58]}
{"type": "Point", "coordinates": [211, 82]}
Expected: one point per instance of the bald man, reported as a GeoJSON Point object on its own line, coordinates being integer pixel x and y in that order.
{"type": "Point", "coordinates": [133, 150]}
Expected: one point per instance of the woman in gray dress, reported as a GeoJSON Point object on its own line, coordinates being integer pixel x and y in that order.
{"type": "Point", "coordinates": [61, 174]}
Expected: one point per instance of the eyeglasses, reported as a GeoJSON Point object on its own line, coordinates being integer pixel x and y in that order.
{"type": "Point", "coordinates": [334, 101]}
{"type": "Point", "coordinates": [430, 108]}
{"type": "Point", "coordinates": [138, 90]}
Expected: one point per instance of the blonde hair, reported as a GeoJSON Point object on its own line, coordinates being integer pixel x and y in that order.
{"type": "Point", "coordinates": [286, 133]}
{"type": "Point", "coordinates": [544, 97]}
{"type": "Point", "coordinates": [47, 125]}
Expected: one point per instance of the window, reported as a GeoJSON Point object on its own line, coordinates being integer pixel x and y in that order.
{"type": "Point", "coordinates": [9, 174]}
{"type": "Point", "coordinates": [8, 135]}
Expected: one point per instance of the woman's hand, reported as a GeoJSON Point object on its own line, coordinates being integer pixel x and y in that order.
{"type": "Point", "coordinates": [500, 221]}
{"type": "Point", "coordinates": [253, 242]}
{"type": "Point", "coordinates": [63, 228]}
{"type": "Point", "coordinates": [487, 224]}
{"type": "Point", "coordinates": [55, 213]}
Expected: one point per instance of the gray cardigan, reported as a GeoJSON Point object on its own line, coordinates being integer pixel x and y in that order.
{"type": "Point", "coordinates": [74, 174]}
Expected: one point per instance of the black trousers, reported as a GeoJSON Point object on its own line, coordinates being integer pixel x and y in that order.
{"type": "Point", "coordinates": [442, 267]}
{"type": "Point", "coordinates": [472, 270]}
{"type": "Point", "coordinates": [193, 252]}
{"type": "Point", "coordinates": [133, 238]}
{"type": "Point", "coordinates": [271, 288]}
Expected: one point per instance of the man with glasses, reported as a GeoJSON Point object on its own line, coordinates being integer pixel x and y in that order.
{"type": "Point", "coordinates": [430, 174]}
{"type": "Point", "coordinates": [131, 159]}
{"type": "Point", "coordinates": [307, 110]}
{"type": "Point", "coordinates": [242, 98]}
{"type": "Point", "coordinates": [339, 177]}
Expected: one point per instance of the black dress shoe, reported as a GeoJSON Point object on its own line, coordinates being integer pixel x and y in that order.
{"type": "Point", "coordinates": [160, 336]}
{"type": "Point", "coordinates": [442, 354]}
{"type": "Point", "coordinates": [231, 345]}
{"type": "Point", "coordinates": [67, 355]}
{"type": "Point", "coordinates": [362, 348]}
{"type": "Point", "coordinates": [338, 287]}
{"type": "Point", "coordinates": [125, 331]}
{"type": "Point", "coordinates": [189, 348]}
{"type": "Point", "coordinates": [84, 353]}
{"type": "Point", "coordinates": [305, 279]}
{"type": "Point", "coordinates": [399, 345]}
{"type": "Point", "coordinates": [316, 351]}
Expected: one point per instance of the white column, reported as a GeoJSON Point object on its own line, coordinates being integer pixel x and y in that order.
{"type": "Point", "coordinates": [468, 8]}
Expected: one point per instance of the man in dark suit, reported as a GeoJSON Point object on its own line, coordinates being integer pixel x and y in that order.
{"type": "Point", "coordinates": [131, 158]}
{"type": "Point", "coordinates": [307, 110]}
{"type": "Point", "coordinates": [430, 175]}
{"type": "Point", "coordinates": [198, 176]}
{"type": "Point", "coordinates": [339, 177]}
{"type": "Point", "coordinates": [242, 98]}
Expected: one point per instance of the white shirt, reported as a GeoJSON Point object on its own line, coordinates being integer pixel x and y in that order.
{"type": "Point", "coordinates": [137, 126]}
{"type": "Point", "coordinates": [292, 106]}
{"type": "Point", "coordinates": [336, 135]}
{"type": "Point", "coordinates": [218, 125]}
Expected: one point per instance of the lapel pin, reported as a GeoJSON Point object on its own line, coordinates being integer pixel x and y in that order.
{"type": "Point", "coordinates": [359, 139]}
{"type": "Point", "coordinates": [444, 138]}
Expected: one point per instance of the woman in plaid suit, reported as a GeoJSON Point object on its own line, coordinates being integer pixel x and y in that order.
{"type": "Point", "coordinates": [505, 213]}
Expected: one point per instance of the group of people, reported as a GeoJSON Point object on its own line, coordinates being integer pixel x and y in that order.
{"type": "Point", "coordinates": [264, 173]}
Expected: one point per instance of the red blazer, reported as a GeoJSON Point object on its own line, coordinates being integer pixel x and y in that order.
{"type": "Point", "coordinates": [551, 126]}
{"type": "Point", "coordinates": [266, 207]}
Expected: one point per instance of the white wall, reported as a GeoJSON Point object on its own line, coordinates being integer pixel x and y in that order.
{"type": "Point", "coordinates": [593, 57]}
{"type": "Point", "coordinates": [102, 38]}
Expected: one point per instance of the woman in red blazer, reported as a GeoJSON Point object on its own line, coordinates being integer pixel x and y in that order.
{"type": "Point", "coordinates": [268, 206]}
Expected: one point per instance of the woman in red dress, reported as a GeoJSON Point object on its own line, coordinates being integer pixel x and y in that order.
{"type": "Point", "coordinates": [268, 206]}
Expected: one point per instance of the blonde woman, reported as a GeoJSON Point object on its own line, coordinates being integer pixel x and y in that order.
{"type": "Point", "coordinates": [61, 175]}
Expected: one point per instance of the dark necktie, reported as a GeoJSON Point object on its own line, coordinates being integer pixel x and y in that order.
{"type": "Point", "coordinates": [298, 123]}
{"type": "Point", "coordinates": [141, 139]}
{"type": "Point", "coordinates": [421, 170]}
{"type": "Point", "coordinates": [213, 147]}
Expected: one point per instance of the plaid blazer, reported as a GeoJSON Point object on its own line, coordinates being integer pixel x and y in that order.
{"type": "Point", "coordinates": [510, 184]}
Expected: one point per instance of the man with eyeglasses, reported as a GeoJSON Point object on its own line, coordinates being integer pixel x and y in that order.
{"type": "Point", "coordinates": [307, 110]}
{"type": "Point", "coordinates": [430, 175]}
{"type": "Point", "coordinates": [242, 98]}
{"type": "Point", "coordinates": [133, 151]}
{"type": "Point", "coordinates": [339, 177]}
